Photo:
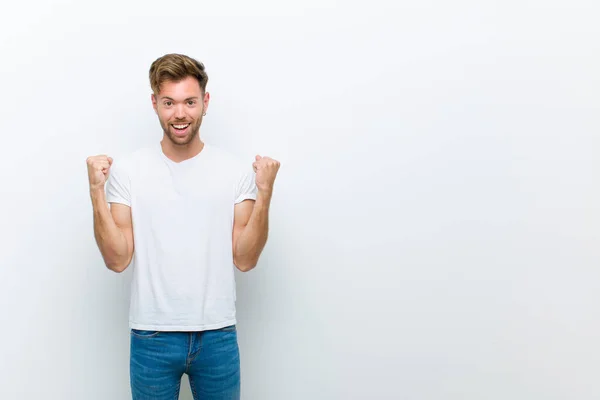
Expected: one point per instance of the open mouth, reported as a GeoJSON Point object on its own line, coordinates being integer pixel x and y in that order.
{"type": "Point", "coordinates": [180, 128]}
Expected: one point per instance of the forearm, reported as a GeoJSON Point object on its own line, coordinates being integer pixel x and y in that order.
{"type": "Point", "coordinates": [254, 236]}
{"type": "Point", "coordinates": [110, 239]}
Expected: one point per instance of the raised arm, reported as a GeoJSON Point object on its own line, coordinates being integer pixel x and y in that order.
{"type": "Point", "coordinates": [250, 231]}
{"type": "Point", "coordinates": [112, 225]}
{"type": "Point", "coordinates": [251, 218]}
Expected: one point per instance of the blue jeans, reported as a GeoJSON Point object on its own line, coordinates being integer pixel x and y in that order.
{"type": "Point", "coordinates": [211, 360]}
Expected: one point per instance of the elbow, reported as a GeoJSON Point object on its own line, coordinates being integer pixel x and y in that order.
{"type": "Point", "coordinates": [118, 266]}
{"type": "Point", "coordinates": [244, 266]}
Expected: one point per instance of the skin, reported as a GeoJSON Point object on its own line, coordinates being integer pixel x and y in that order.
{"type": "Point", "coordinates": [177, 103]}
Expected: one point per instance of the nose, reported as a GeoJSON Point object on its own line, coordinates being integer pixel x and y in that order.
{"type": "Point", "coordinates": [179, 112]}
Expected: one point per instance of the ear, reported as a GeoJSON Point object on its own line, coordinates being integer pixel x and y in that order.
{"type": "Point", "coordinates": [206, 100]}
{"type": "Point", "coordinates": [154, 103]}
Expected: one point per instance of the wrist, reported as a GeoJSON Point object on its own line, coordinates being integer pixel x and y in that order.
{"type": "Point", "coordinates": [264, 196]}
{"type": "Point", "coordinates": [97, 193]}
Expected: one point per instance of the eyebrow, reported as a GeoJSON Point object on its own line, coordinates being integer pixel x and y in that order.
{"type": "Point", "coordinates": [189, 98]}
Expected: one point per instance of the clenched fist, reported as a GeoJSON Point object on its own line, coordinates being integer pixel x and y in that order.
{"type": "Point", "coordinates": [98, 167]}
{"type": "Point", "coordinates": [266, 170]}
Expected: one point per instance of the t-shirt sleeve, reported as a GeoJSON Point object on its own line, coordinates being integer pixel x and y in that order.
{"type": "Point", "coordinates": [246, 188]}
{"type": "Point", "coordinates": [118, 185]}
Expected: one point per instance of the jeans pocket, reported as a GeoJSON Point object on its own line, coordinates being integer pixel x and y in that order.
{"type": "Point", "coordinates": [144, 334]}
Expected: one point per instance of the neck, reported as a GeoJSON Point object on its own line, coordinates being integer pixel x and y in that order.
{"type": "Point", "coordinates": [183, 152]}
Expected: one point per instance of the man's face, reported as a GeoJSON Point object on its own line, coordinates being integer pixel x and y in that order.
{"type": "Point", "coordinates": [180, 106]}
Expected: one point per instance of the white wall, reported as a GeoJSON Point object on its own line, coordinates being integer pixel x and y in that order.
{"type": "Point", "coordinates": [434, 230]}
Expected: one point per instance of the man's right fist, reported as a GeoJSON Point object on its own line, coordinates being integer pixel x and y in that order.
{"type": "Point", "coordinates": [98, 167]}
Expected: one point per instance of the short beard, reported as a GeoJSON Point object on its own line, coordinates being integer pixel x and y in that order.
{"type": "Point", "coordinates": [178, 141]}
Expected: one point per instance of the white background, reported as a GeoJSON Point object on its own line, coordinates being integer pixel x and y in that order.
{"type": "Point", "coordinates": [435, 225]}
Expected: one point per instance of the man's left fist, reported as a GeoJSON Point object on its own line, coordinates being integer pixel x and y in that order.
{"type": "Point", "coordinates": [266, 170]}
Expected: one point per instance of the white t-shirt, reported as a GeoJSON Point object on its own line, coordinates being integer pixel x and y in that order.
{"type": "Point", "coordinates": [182, 214]}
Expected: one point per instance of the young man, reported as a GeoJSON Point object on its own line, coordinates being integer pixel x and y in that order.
{"type": "Point", "coordinates": [183, 213]}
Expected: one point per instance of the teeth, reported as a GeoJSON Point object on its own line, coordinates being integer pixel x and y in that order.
{"type": "Point", "coordinates": [181, 126]}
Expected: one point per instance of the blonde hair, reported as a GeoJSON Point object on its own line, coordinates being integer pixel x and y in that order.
{"type": "Point", "coordinates": [174, 68]}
